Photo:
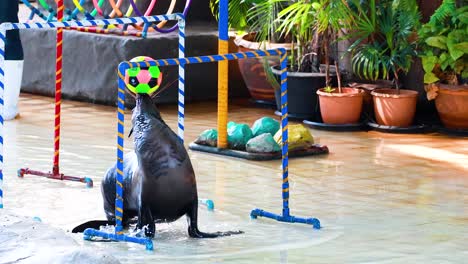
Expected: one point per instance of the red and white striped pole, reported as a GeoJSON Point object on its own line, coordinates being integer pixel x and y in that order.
{"type": "Point", "coordinates": [58, 87]}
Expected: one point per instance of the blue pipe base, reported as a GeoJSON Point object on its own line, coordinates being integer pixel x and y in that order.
{"type": "Point", "coordinates": [89, 233]}
{"type": "Point", "coordinates": [208, 203]}
{"type": "Point", "coordinates": [285, 218]}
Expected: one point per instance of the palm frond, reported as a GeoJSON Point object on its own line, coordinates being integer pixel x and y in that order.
{"type": "Point", "coordinates": [445, 10]}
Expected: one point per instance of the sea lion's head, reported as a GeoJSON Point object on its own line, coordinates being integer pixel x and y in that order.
{"type": "Point", "coordinates": [144, 112]}
{"type": "Point", "coordinates": [144, 104]}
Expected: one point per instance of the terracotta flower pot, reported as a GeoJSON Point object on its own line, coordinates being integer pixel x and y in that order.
{"type": "Point", "coordinates": [253, 70]}
{"type": "Point", "coordinates": [341, 108]}
{"type": "Point", "coordinates": [368, 102]}
{"type": "Point", "coordinates": [452, 105]}
{"type": "Point", "coordinates": [392, 109]}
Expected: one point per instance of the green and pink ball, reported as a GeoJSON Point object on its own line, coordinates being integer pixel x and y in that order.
{"type": "Point", "coordinates": [143, 80]}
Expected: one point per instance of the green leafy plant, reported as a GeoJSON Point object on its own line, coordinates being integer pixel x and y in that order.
{"type": "Point", "coordinates": [328, 89]}
{"type": "Point", "coordinates": [311, 26]}
{"type": "Point", "coordinates": [314, 26]}
{"type": "Point", "coordinates": [238, 9]}
{"type": "Point", "coordinates": [384, 42]}
{"type": "Point", "coordinates": [297, 20]}
{"type": "Point", "coordinates": [444, 44]}
{"type": "Point", "coordinates": [263, 18]}
{"type": "Point", "coordinates": [332, 17]}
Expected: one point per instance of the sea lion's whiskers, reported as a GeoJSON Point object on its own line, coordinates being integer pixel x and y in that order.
{"type": "Point", "coordinates": [162, 89]}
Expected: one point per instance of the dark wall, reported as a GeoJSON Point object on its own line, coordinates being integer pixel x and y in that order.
{"type": "Point", "coordinates": [427, 8]}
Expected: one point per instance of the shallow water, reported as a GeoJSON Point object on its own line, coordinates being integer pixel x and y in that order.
{"type": "Point", "coordinates": [380, 197]}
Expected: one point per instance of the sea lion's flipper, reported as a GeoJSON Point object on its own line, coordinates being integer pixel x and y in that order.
{"type": "Point", "coordinates": [96, 224]}
{"type": "Point", "coordinates": [146, 221]}
{"type": "Point", "coordinates": [192, 219]}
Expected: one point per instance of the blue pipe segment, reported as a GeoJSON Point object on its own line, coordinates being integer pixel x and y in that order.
{"type": "Point", "coordinates": [123, 66]}
{"type": "Point", "coordinates": [208, 203]}
{"type": "Point", "coordinates": [89, 233]}
{"type": "Point", "coordinates": [288, 219]}
{"type": "Point", "coordinates": [223, 27]}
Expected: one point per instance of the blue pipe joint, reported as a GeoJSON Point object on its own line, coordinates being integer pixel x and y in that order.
{"type": "Point", "coordinates": [208, 203]}
{"type": "Point", "coordinates": [285, 218]}
{"type": "Point", "coordinates": [89, 182]}
{"type": "Point", "coordinates": [31, 15]}
{"type": "Point", "coordinates": [51, 15]}
{"type": "Point", "coordinates": [144, 33]}
{"type": "Point", "coordinates": [89, 233]}
{"type": "Point", "coordinates": [89, 16]}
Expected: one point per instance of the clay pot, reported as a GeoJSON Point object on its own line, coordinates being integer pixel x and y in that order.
{"type": "Point", "coordinates": [452, 105]}
{"type": "Point", "coordinates": [392, 109]}
{"type": "Point", "coordinates": [368, 104]}
{"type": "Point", "coordinates": [253, 70]}
{"type": "Point", "coordinates": [341, 108]}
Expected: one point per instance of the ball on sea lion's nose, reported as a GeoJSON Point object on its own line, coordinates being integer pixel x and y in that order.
{"type": "Point", "coordinates": [143, 80]}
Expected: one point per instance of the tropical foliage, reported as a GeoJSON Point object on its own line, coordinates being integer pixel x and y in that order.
{"type": "Point", "coordinates": [305, 23]}
{"type": "Point", "coordinates": [384, 37]}
{"type": "Point", "coordinates": [444, 44]}
{"type": "Point", "coordinates": [313, 26]}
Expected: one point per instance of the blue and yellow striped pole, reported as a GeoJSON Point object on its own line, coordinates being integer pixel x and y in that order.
{"type": "Point", "coordinates": [205, 59]}
{"type": "Point", "coordinates": [284, 135]}
{"type": "Point", "coordinates": [223, 48]}
{"type": "Point", "coordinates": [120, 154]}
{"type": "Point", "coordinates": [285, 216]}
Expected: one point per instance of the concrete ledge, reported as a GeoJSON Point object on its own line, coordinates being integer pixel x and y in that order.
{"type": "Point", "coordinates": [90, 62]}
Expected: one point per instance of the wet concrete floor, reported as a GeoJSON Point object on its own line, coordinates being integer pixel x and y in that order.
{"type": "Point", "coordinates": [380, 197]}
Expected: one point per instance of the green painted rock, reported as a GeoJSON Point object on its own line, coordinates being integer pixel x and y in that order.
{"type": "Point", "coordinates": [208, 138]}
{"type": "Point", "coordinates": [298, 137]}
{"type": "Point", "coordinates": [265, 125]}
{"type": "Point", "coordinates": [238, 135]}
{"type": "Point", "coordinates": [230, 124]}
{"type": "Point", "coordinates": [265, 143]}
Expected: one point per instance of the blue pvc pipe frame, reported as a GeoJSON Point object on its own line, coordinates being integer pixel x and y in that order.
{"type": "Point", "coordinates": [89, 233]}
{"type": "Point", "coordinates": [223, 27]}
{"type": "Point", "coordinates": [181, 61]}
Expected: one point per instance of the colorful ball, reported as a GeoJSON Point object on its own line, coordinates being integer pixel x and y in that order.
{"type": "Point", "coordinates": [143, 80]}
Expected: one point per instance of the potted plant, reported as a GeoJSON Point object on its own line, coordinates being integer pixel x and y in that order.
{"type": "Point", "coordinates": [243, 17]}
{"type": "Point", "coordinates": [444, 54]}
{"type": "Point", "coordinates": [384, 46]}
{"type": "Point", "coordinates": [306, 71]}
{"type": "Point", "coordinates": [342, 105]}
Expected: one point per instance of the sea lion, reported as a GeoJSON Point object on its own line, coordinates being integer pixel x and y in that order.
{"type": "Point", "coordinates": [159, 181]}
